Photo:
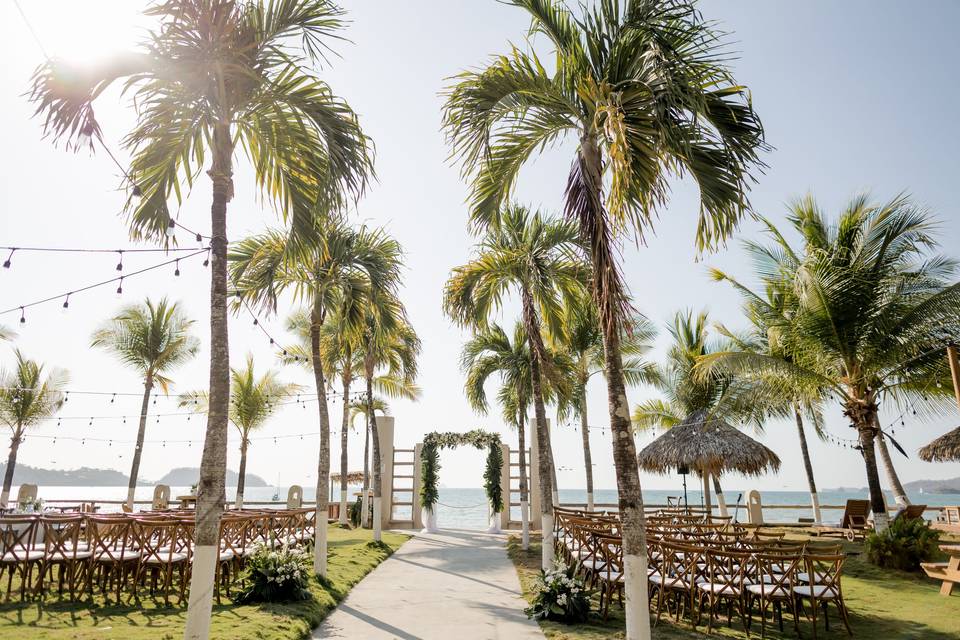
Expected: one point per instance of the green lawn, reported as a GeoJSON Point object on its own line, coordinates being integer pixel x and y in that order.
{"type": "Point", "coordinates": [883, 604]}
{"type": "Point", "coordinates": [352, 556]}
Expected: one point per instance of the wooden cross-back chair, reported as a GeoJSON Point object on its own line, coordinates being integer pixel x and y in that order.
{"type": "Point", "coordinates": [823, 587]}
{"type": "Point", "coordinates": [771, 579]}
{"type": "Point", "coordinates": [723, 582]}
{"type": "Point", "coordinates": [114, 551]}
{"type": "Point", "coordinates": [164, 545]}
{"type": "Point", "coordinates": [18, 553]}
{"type": "Point", "coordinates": [64, 547]}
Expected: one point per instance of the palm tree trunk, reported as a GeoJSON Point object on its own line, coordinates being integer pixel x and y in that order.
{"type": "Point", "coordinates": [213, 464]}
{"type": "Point", "coordinates": [808, 466]}
{"type": "Point", "coordinates": [11, 465]}
{"type": "Point", "coordinates": [141, 432]}
{"type": "Point", "coordinates": [323, 464]}
{"type": "Point", "coordinates": [524, 489]}
{"type": "Point", "coordinates": [587, 458]}
{"type": "Point", "coordinates": [242, 475]}
{"type": "Point", "coordinates": [344, 427]}
{"type": "Point", "coordinates": [878, 505]}
{"type": "Point", "coordinates": [721, 500]}
{"type": "Point", "coordinates": [899, 493]}
{"type": "Point", "coordinates": [364, 499]}
{"type": "Point", "coordinates": [544, 452]}
{"type": "Point", "coordinates": [707, 499]}
{"type": "Point", "coordinates": [377, 465]}
{"type": "Point", "coordinates": [608, 295]}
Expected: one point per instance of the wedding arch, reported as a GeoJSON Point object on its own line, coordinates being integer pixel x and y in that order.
{"type": "Point", "coordinates": [430, 470]}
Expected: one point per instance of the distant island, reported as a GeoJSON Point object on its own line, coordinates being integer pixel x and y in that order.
{"type": "Point", "coordinates": [948, 486]}
{"type": "Point", "coordinates": [187, 476]}
{"type": "Point", "coordinates": [89, 477]}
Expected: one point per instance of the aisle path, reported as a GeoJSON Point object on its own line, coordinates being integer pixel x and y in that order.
{"type": "Point", "coordinates": [453, 585]}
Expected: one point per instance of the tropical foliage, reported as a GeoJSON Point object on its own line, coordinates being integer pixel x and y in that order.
{"type": "Point", "coordinates": [560, 594]}
{"type": "Point", "coordinates": [276, 575]}
{"type": "Point", "coordinates": [875, 308]}
{"type": "Point", "coordinates": [903, 545]}
{"type": "Point", "coordinates": [28, 396]}
{"type": "Point", "coordinates": [430, 456]}
{"type": "Point", "coordinates": [153, 339]}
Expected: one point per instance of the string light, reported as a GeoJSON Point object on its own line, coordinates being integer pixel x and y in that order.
{"type": "Point", "coordinates": [6, 263]}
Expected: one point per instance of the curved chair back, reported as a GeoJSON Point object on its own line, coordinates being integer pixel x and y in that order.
{"type": "Point", "coordinates": [161, 497]}
{"type": "Point", "coordinates": [295, 497]}
{"type": "Point", "coordinates": [27, 493]}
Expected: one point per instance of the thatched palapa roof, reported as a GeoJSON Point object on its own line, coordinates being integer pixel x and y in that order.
{"type": "Point", "coordinates": [353, 477]}
{"type": "Point", "coordinates": [946, 448]}
{"type": "Point", "coordinates": [703, 443]}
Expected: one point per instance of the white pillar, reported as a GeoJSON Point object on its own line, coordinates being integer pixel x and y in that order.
{"type": "Point", "coordinates": [417, 480]}
{"type": "Point", "coordinates": [385, 432]}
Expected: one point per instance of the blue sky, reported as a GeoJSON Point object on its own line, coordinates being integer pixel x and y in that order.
{"type": "Point", "coordinates": [854, 96]}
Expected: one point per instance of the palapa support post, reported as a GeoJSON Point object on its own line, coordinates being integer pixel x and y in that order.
{"type": "Point", "coordinates": [954, 361]}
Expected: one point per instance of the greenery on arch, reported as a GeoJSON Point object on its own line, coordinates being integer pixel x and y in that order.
{"type": "Point", "coordinates": [430, 463]}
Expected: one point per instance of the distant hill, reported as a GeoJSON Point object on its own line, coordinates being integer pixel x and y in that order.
{"type": "Point", "coordinates": [82, 477]}
{"type": "Point", "coordinates": [951, 485]}
{"type": "Point", "coordinates": [187, 476]}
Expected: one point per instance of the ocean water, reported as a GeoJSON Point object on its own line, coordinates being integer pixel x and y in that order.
{"type": "Point", "coordinates": [466, 508]}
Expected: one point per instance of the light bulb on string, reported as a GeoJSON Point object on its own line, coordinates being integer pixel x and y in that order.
{"type": "Point", "coordinates": [176, 271]}
{"type": "Point", "coordinates": [199, 237]}
{"type": "Point", "coordinates": [113, 398]}
{"type": "Point", "coordinates": [120, 263]}
{"type": "Point", "coordinates": [206, 261]}
{"type": "Point", "coordinates": [66, 302]}
{"type": "Point", "coordinates": [171, 228]}
{"type": "Point", "coordinates": [137, 191]}
{"type": "Point", "coordinates": [23, 318]}
{"type": "Point", "coordinates": [120, 287]}
{"type": "Point", "coordinates": [6, 263]}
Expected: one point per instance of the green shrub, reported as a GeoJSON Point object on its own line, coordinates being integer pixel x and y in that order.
{"type": "Point", "coordinates": [560, 595]}
{"type": "Point", "coordinates": [277, 575]}
{"type": "Point", "coordinates": [904, 545]}
{"type": "Point", "coordinates": [355, 510]}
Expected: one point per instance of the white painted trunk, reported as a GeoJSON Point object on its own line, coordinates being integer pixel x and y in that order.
{"type": "Point", "coordinates": [239, 501]}
{"type": "Point", "coordinates": [524, 524]}
{"type": "Point", "coordinates": [4, 497]}
{"type": "Point", "coordinates": [636, 604]}
{"type": "Point", "coordinates": [881, 521]}
{"type": "Point", "coordinates": [365, 511]}
{"type": "Point", "coordinates": [343, 508]}
{"type": "Point", "coordinates": [201, 593]}
{"type": "Point", "coordinates": [377, 520]}
{"type": "Point", "coordinates": [590, 501]}
{"type": "Point", "coordinates": [320, 548]}
{"type": "Point", "coordinates": [546, 548]}
{"type": "Point", "coordinates": [130, 496]}
{"type": "Point", "coordinates": [556, 497]}
{"type": "Point", "coordinates": [815, 502]}
{"type": "Point", "coordinates": [721, 502]}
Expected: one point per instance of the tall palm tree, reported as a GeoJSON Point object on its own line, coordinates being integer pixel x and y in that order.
{"type": "Point", "coordinates": [874, 309]}
{"type": "Point", "coordinates": [336, 271]}
{"type": "Point", "coordinates": [721, 396]}
{"type": "Point", "coordinates": [211, 77]}
{"type": "Point", "coordinates": [539, 259]}
{"type": "Point", "coordinates": [154, 339]}
{"type": "Point", "coordinates": [582, 345]}
{"type": "Point", "coordinates": [26, 400]}
{"type": "Point", "coordinates": [769, 314]}
{"type": "Point", "coordinates": [252, 399]}
{"type": "Point", "coordinates": [389, 342]}
{"type": "Point", "coordinates": [492, 351]}
{"type": "Point", "coordinates": [644, 86]}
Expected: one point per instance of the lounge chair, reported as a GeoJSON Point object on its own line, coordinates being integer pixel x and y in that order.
{"type": "Point", "coordinates": [853, 524]}
{"type": "Point", "coordinates": [911, 512]}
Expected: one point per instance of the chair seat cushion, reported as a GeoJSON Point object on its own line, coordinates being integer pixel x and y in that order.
{"type": "Point", "coordinates": [69, 554]}
{"type": "Point", "coordinates": [166, 558]}
{"type": "Point", "coordinates": [126, 554]}
{"type": "Point", "coordinates": [768, 591]}
{"type": "Point", "coordinates": [20, 556]}
{"type": "Point", "coordinates": [820, 591]}
{"type": "Point", "coordinates": [720, 588]}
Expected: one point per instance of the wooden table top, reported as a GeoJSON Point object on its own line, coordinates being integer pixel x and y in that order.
{"type": "Point", "coordinates": [951, 549]}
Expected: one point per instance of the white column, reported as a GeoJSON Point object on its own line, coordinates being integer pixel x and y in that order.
{"type": "Point", "coordinates": [417, 480]}
{"type": "Point", "coordinates": [385, 431]}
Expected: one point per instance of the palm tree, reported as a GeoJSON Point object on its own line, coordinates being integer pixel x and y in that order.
{"type": "Point", "coordinates": [6, 334]}
{"type": "Point", "coordinates": [583, 347]}
{"type": "Point", "coordinates": [721, 396]}
{"type": "Point", "coordinates": [540, 260]}
{"type": "Point", "coordinates": [492, 351]}
{"type": "Point", "coordinates": [769, 314]}
{"type": "Point", "coordinates": [874, 310]}
{"type": "Point", "coordinates": [26, 399]}
{"type": "Point", "coordinates": [361, 408]}
{"type": "Point", "coordinates": [644, 86]}
{"type": "Point", "coordinates": [210, 78]}
{"type": "Point", "coordinates": [389, 342]}
{"type": "Point", "coordinates": [252, 400]}
{"type": "Point", "coordinates": [336, 271]}
{"type": "Point", "coordinates": [152, 338]}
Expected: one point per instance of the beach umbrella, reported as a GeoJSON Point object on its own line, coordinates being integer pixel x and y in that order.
{"type": "Point", "coordinates": [946, 448]}
{"type": "Point", "coordinates": [707, 445]}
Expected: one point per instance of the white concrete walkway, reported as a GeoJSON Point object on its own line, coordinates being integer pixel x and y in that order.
{"type": "Point", "coordinates": [454, 585]}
